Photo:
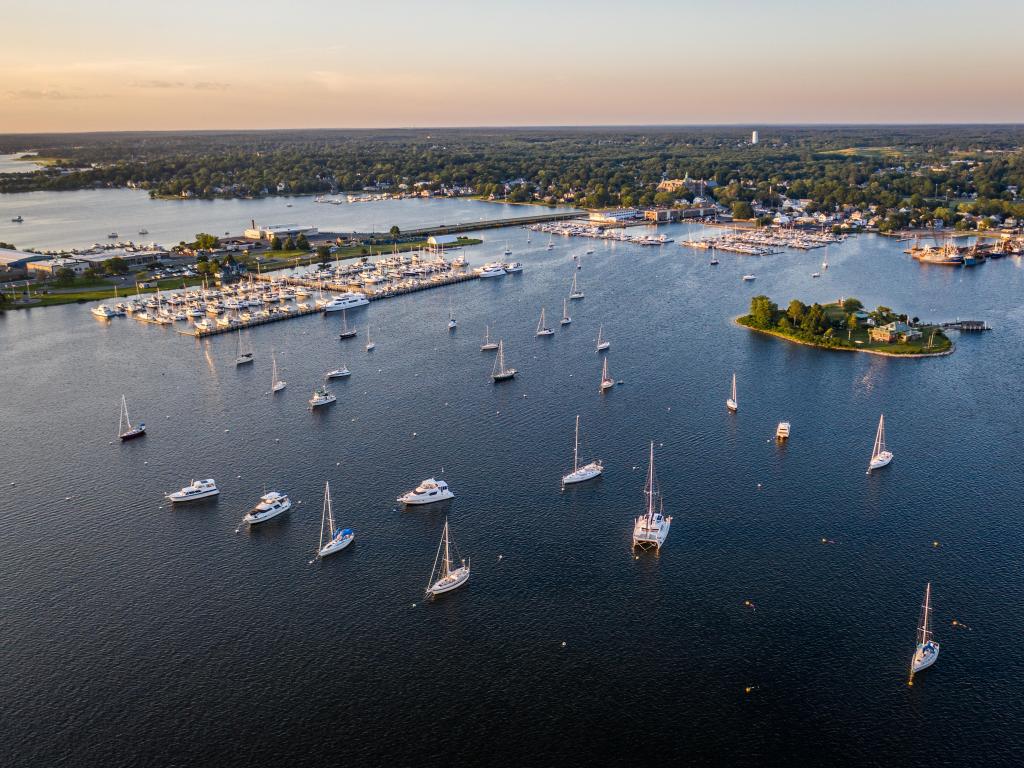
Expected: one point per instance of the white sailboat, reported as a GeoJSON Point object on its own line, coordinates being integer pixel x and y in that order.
{"type": "Point", "coordinates": [607, 382]}
{"type": "Point", "coordinates": [369, 342]}
{"type": "Point", "coordinates": [585, 472]}
{"type": "Point", "coordinates": [276, 385]}
{"type": "Point", "coordinates": [125, 430]}
{"type": "Point", "coordinates": [446, 578]}
{"type": "Point", "coordinates": [927, 650]}
{"type": "Point", "coordinates": [244, 354]}
{"type": "Point", "coordinates": [575, 292]}
{"type": "Point", "coordinates": [551, 242]}
{"type": "Point", "coordinates": [542, 328]}
{"type": "Point", "coordinates": [488, 345]}
{"type": "Point", "coordinates": [451, 317]}
{"type": "Point", "coordinates": [499, 372]}
{"type": "Point", "coordinates": [732, 403]}
{"type": "Point", "coordinates": [346, 332]}
{"type": "Point", "coordinates": [331, 539]}
{"type": "Point", "coordinates": [602, 343]}
{"type": "Point", "coordinates": [651, 528]}
{"type": "Point", "coordinates": [880, 455]}
{"type": "Point", "coordinates": [565, 312]}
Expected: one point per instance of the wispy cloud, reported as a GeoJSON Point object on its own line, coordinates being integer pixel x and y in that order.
{"type": "Point", "coordinates": [44, 93]}
{"type": "Point", "coordinates": [210, 85]}
{"type": "Point", "coordinates": [158, 84]}
{"type": "Point", "coordinates": [199, 85]}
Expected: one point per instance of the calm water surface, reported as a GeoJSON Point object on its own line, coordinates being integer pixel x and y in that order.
{"type": "Point", "coordinates": [136, 634]}
{"type": "Point", "coordinates": [80, 218]}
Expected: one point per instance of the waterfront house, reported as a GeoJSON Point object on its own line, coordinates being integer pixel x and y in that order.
{"type": "Point", "coordinates": [895, 331]}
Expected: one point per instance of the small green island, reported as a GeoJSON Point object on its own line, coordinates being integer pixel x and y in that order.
{"type": "Point", "coordinates": [847, 326]}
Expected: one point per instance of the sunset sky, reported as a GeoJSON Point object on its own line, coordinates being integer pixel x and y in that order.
{"type": "Point", "coordinates": [111, 65]}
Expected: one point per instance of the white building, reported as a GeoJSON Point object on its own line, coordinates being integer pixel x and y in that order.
{"type": "Point", "coordinates": [53, 266]}
{"type": "Point", "coordinates": [614, 215]}
{"type": "Point", "coordinates": [281, 231]}
{"type": "Point", "coordinates": [753, 137]}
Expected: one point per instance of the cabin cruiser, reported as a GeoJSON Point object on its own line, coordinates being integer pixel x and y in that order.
{"type": "Point", "coordinates": [271, 505]}
{"type": "Point", "coordinates": [749, 278]}
{"type": "Point", "coordinates": [203, 325]}
{"type": "Point", "coordinates": [782, 431]}
{"type": "Point", "coordinates": [513, 267]}
{"type": "Point", "coordinates": [321, 396]}
{"type": "Point", "coordinates": [338, 373]}
{"type": "Point", "coordinates": [427, 492]}
{"type": "Point", "coordinates": [103, 311]}
{"type": "Point", "coordinates": [347, 300]}
{"type": "Point", "coordinates": [491, 270]}
{"type": "Point", "coordinates": [197, 489]}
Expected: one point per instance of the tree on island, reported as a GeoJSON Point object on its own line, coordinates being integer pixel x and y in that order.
{"type": "Point", "coordinates": [763, 311]}
{"type": "Point", "coordinates": [796, 310]}
{"type": "Point", "coordinates": [852, 305]}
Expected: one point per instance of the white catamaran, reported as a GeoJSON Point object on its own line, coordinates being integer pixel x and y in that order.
{"type": "Point", "coordinates": [125, 430]}
{"type": "Point", "coordinates": [331, 539]}
{"type": "Point", "coordinates": [446, 578]}
{"type": "Point", "coordinates": [927, 650]}
{"type": "Point", "coordinates": [276, 385]}
{"type": "Point", "coordinates": [732, 403]}
{"type": "Point", "coordinates": [880, 455]}
{"type": "Point", "coordinates": [651, 528]}
{"type": "Point", "coordinates": [584, 472]}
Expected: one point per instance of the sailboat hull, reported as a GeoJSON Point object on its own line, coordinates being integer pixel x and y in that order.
{"type": "Point", "coordinates": [453, 580]}
{"type": "Point", "coordinates": [131, 434]}
{"type": "Point", "coordinates": [647, 535]}
{"type": "Point", "coordinates": [336, 545]}
{"type": "Point", "coordinates": [581, 475]}
{"type": "Point", "coordinates": [732, 405]}
{"type": "Point", "coordinates": [925, 656]}
{"type": "Point", "coordinates": [881, 460]}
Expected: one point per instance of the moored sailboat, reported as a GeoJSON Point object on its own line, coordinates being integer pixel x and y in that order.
{"type": "Point", "coordinates": [488, 345]}
{"type": "Point", "coordinates": [880, 455]}
{"type": "Point", "coordinates": [565, 313]}
{"type": "Point", "coordinates": [651, 528]}
{"type": "Point", "coordinates": [602, 343]}
{"type": "Point", "coordinates": [331, 539]}
{"type": "Point", "coordinates": [580, 473]}
{"type": "Point", "coordinates": [276, 385]}
{"type": "Point", "coordinates": [369, 341]}
{"type": "Point", "coordinates": [575, 292]}
{"type": "Point", "coordinates": [500, 372]}
{"type": "Point", "coordinates": [125, 430]}
{"type": "Point", "coordinates": [346, 332]}
{"type": "Point", "coordinates": [542, 327]}
{"type": "Point", "coordinates": [446, 578]}
{"type": "Point", "coordinates": [607, 382]}
{"type": "Point", "coordinates": [927, 650]}
{"type": "Point", "coordinates": [732, 403]}
{"type": "Point", "coordinates": [244, 354]}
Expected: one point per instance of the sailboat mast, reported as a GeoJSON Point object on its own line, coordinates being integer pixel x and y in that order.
{"type": "Point", "coordinates": [650, 484]}
{"type": "Point", "coordinates": [734, 388]}
{"type": "Point", "coordinates": [576, 447]}
{"type": "Point", "coordinates": [323, 516]}
{"type": "Point", "coordinates": [926, 609]}
{"type": "Point", "coordinates": [447, 552]}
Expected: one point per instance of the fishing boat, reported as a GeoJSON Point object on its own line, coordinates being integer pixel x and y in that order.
{"type": "Point", "coordinates": [602, 343]}
{"type": "Point", "coordinates": [244, 354]}
{"type": "Point", "coordinates": [542, 328]}
{"type": "Point", "coordinates": [782, 431]}
{"type": "Point", "coordinates": [125, 430]}
{"type": "Point", "coordinates": [499, 372]}
{"type": "Point", "coordinates": [446, 578]}
{"type": "Point", "coordinates": [880, 455]}
{"type": "Point", "coordinates": [271, 504]}
{"type": "Point", "coordinates": [197, 489]}
{"type": "Point", "coordinates": [321, 396]}
{"type": "Point", "coordinates": [346, 332]}
{"type": "Point", "coordinates": [369, 342]}
{"type": "Point", "coordinates": [427, 492]}
{"type": "Point", "coordinates": [338, 373]}
{"type": "Point", "coordinates": [565, 313]}
{"type": "Point", "coordinates": [276, 385]}
{"type": "Point", "coordinates": [488, 345]}
{"type": "Point", "coordinates": [927, 650]}
{"type": "Point", "coordinates": [651, 528]}
{"type": "Point", "coordinates": [585, 472]}
{"type": "Point", "coordinates": [575, 292]}
{"type": "Point", "coordinates": [607, 382]}
{"type": "Point", "coordinates": [513, 267]}
{"type": "Point", "coordinates": [451, 318]}
{"type": "Point", "coordinates": [732, 403]}
{"type": "Point", "coordinates": [331, 539]}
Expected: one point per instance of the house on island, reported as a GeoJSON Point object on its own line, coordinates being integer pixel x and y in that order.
{"type": "Point", "coordinates": [895, 331]}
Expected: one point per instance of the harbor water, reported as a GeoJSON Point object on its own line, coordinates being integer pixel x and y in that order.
{"type": "Point", "coordinates": [775, 627]}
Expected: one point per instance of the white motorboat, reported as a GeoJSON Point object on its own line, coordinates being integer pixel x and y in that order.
{"type": "Point", "coordinates": [607, 382]}
{"type": "Point", "coordinates": [125, 430]}
{"type": "Point", "coordinates": [276, 384]}
{"type": "Point", "coordinates": [499, 372]}
{"type": "Point", "coordinates": [104, 311]}
{"type": "Point", "coordinates": [583, 472]}
{"type": "Point", "coordinates": [602, 343]}
{"type": "Point", "coordinates": [203, 325]}
{"type": "Point", "coordinates": [782, 431]}
{"type": "Point", "coordinates": [732, 403]}
{"type": "Point", "coordinates": [491, 270]}
{"type": "Point", "coordinates": [880, 455]}
{"type": "Point", "coordinates": [651, 528]}
{"type": "Point", "coordinates": [927, 650]}
{"type": "Point", "coordinates": [197, 489]}
{"type": "Point", "coordinates": [338, 373]}
{"type": "Point", "coordinates": [565, 313]}
{"type": "Point", "coordinates": [331, 539]}
{"type": "Point", "coordinates": [513, 267]}
{"type": "Point", "coordinates": [347, 300]}
{"type": "Point", "coordinates": [815, 274]}
{"type": "Point", "coordinates": [270, 506]}
{"type": "Point", "coordinates": [244, 354]}
{"type": "Point", "coordinates": [446, 578]}
{"type": "Point", "coordinates": [749, 278]}
{"type": "Point", "coordinates": [321, 396]}
{"type": "Point", "coordinates": [488, 345]}
{"type": "Point", "coordinates": [427, 492]}
{"type": "Point", "coordinates": [542, 328]}
{"type": "Point", "coordinates": [575, 292]}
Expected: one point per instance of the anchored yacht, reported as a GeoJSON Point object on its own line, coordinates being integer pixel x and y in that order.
{"type": "Point", "coordinates": [347, 300]}
{"type": "Point", "coordinates": [581, 473]}
{"type": "Point", "coordinates": [446, 578]}
{"type": "Point", "coordinates": [427, 492]}
{"type": "Point", "coordinates": [927, 650]}
{"type": "Point", "coordinates": [271, 505]}
{"type": "Point", "coordinates": [321, 396]}
{"type": "Point", "coordinates": [104, 311]}
{"type": "Point", "coordinates": [331, 539]}
{"type": "Point", "coordinates": [492, 270]}
{"type": "Point", "coordinates": [197, 489]}
{"type": "Point", "coordinates": [880, 455]}
{"type": "Point", "coordinates": [651, 528]}
{"type": "Point", "coordinates": [782, 431]}
{"type": "Point", "coordinates": [338, 373]}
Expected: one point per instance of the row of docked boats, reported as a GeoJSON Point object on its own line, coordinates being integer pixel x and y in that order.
{"type": "Point", "coordinates": [598, 232]}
